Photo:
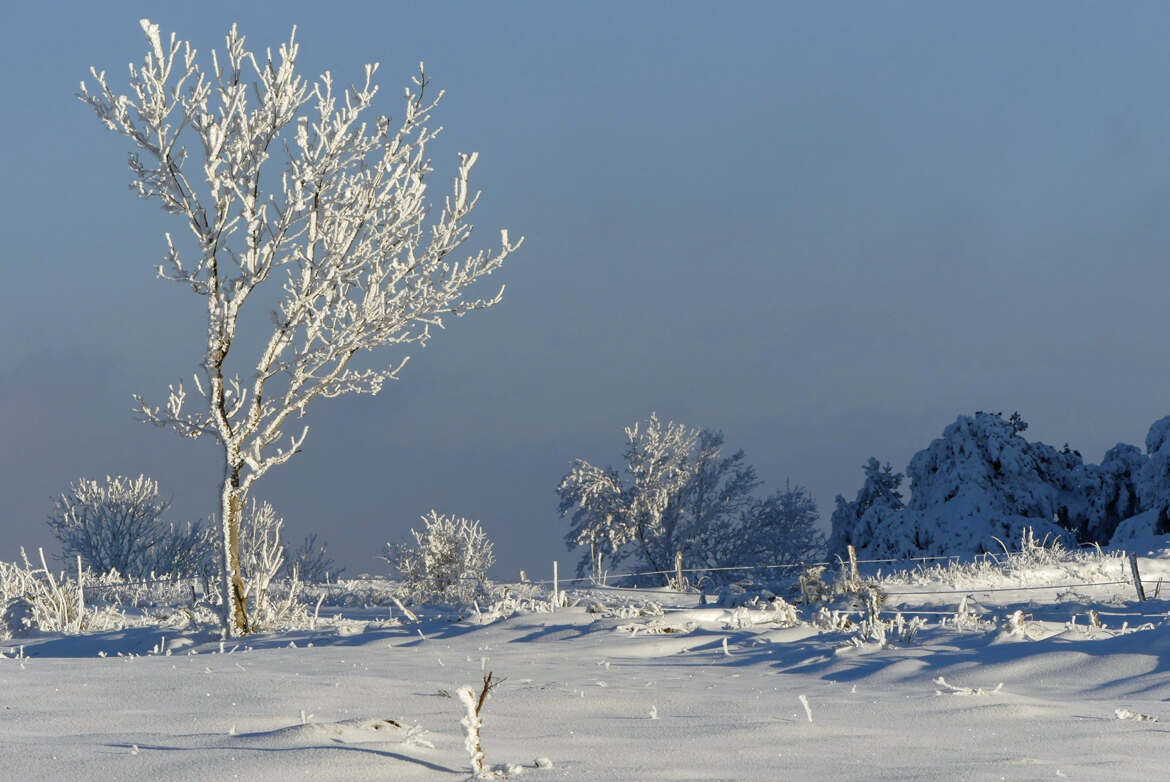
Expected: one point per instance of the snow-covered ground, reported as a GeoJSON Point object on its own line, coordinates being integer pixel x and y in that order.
{"type": "Point", "coordinates": [614, 689]}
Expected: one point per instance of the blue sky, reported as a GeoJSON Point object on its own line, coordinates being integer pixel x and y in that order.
{"type": "Point", "coordinates": [826, 229]}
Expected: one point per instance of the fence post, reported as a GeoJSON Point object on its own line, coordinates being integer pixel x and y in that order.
{"type": "Point", "coordinates": [678, 576]}
{"type": "Point", "coordinates": [80, 592]}
{"type": "Point", "coordinates": [853, 574]}
{"type": "Point", "coordinates": [556, 587]}
{"type": "Point", "coordinates": [1137, 579]}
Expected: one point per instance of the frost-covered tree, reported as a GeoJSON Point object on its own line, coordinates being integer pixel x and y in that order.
{"type": "Point", "coordinates": [702, 520]}
{"type": "Point", "coordinates": [299, 202]}
{"type": "Point", "coordinates": [118, 525]}
{"type": "Point", "coordinates": [982, 480]}
{"type": "Point", "coordinates": [596, 498]}
{"type": "Point", "coordinates": [879, 496]}
{"type": "Point", "coordinates": [1154, 484]}
{"type": "Point", "coordinates": [448, 561]}
{"type": "Point", "coordinates": [695, 500]}
{"type": "Point", "coordinates": [1119, 496]}
{"type": "Point", "coordinates": [781, 529]}
{"type": "Point", "coordinates": [608, 513]}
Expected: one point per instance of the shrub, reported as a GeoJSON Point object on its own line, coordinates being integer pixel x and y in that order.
{"type": "Point", "coordinates": [448, 563]}
{"type": "Point", "coordinates": [119, 526]}
{"type": "Point", "coordinates": [311, 562]}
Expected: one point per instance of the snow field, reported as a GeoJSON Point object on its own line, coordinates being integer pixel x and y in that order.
{"type": "Point", "coordinates": [678, 693]}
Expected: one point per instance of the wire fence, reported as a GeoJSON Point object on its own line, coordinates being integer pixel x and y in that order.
{"type": "Point", "coordinates": [199, 584]}
{"type": "Point", "coordinates": [759, 567]}
{"type": "Point", "coordinates": [598, 583]}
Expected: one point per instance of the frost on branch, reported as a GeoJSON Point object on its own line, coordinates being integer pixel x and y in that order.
{"type": "Point", "coordinates": [345, 233]}
{"type": "Point", "coordinates": [291, 185]}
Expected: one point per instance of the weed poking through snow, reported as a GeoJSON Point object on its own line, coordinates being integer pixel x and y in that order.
{"type": "Point", "coordinates": [807, 708]}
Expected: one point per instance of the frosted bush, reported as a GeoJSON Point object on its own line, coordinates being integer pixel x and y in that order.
{"type": "Point", "coordinates": [261, 551]}
{"type": "Point", "coordinates": [448, 562]}
{"type": "Point", "coordinates": [33, 598]}
{"type": "Point", "coordinates": [278, 604]}
{"type": "Point", "coordinates": [119, 526]}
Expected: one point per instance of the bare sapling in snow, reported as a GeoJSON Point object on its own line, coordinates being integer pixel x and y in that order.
{"type": "Point", "coordinates": [303, 202]}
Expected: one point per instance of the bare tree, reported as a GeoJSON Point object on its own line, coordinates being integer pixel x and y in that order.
{"type": "Point", "coordinates": [343, 223]}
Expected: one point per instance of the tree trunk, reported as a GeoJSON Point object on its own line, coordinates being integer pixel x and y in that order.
{"type": "Point", "coordinates": [235, 610]}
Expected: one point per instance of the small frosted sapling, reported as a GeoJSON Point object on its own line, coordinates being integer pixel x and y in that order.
{"type": "Point", "coordinates": [473, 720]}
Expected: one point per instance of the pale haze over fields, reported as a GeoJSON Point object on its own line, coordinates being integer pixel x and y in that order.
{"type": "Point", "coordinates": [825, 231]}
